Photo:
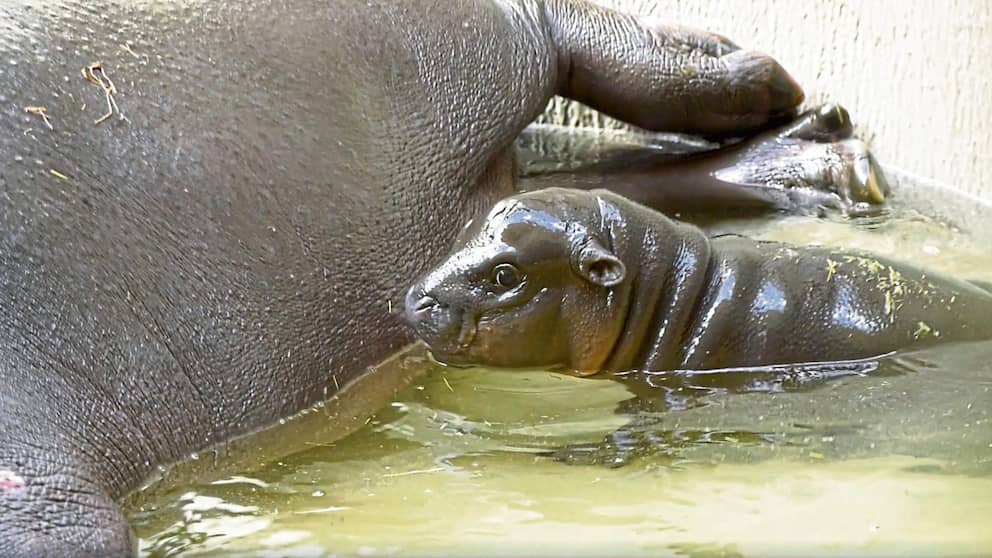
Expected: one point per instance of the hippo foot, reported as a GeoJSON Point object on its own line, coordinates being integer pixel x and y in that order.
{"type": "Point", "coordinates": [814, 163]}
{"type": "Point", "coordinates": [810, 165]}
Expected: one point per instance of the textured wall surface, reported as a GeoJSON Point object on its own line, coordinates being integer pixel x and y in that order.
{"type": "Point", "coordinates": [915, 75]}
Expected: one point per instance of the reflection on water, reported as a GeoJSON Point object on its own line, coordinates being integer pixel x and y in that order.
{"type": "Point", "coordinates": [893, 461]}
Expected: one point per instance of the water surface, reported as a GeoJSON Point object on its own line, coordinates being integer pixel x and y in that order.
{"type": "Point", "coordinates": [456, 463]}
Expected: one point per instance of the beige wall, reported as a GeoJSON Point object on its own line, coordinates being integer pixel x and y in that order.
{"type": "Point", "coordinates": [915, 75]}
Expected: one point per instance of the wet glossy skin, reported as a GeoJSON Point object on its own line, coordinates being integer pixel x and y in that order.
{"type": "Point", "coordinates": [599, 283]}
{"type": "Point", "coordinates": [807, 165]}
{"type": "Point", "coordinates": [223, 251]}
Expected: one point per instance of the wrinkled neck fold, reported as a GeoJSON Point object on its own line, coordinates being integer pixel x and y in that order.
{"type": "Point", "coordinates": [668, 265]}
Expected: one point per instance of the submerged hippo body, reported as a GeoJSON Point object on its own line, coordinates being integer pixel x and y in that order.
{"type": "Point", "coordinates": [593, 282]}
{"type": "Point", "coordinates": [222, 249]}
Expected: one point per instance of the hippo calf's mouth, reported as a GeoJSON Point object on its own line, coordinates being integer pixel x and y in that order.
{"type": "Point", "coordinates": [467, 332]}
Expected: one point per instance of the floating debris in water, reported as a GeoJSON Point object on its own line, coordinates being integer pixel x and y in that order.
{"type": "Point", "coordinates": [142, 57]}
{"type": "Point", "coordinates": [90, 74]}
{"type": "Point", "coordinates": [922, 328]}
{"type": "Point", "coordinates": [42, 112]}
{"type": "Point", "coordinates": [57, 174]}
{"type": "Point", "coordinates": [831, 268]}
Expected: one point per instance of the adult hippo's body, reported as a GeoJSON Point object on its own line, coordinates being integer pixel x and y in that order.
{"type": "Point", "coordinates": [593, 282]}
{"type": "Point", "coordinates": [221, 251]}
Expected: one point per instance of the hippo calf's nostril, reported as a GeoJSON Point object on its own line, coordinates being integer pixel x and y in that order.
{"type": "Point", "coordinates": [418, 305]}
{"type": "Point", "coordinates": [425, 304]}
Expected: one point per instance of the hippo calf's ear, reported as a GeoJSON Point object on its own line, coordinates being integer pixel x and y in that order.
{"type": "Point", "coordinates": [598, 265]}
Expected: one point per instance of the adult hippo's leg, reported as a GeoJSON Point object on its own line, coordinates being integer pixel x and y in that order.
{"type": "Point", "coordinates": [807, 165]}
{"type": "Point", "coordinates": [41, 466]}
{"type": "Point", "coordinates": [221, 250]}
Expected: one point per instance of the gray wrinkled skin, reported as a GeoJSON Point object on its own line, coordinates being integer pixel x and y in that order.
{"type": "Point", "coordinates": [223, 253]}
{"type": "Point", "coordinates": [591, 282]}
{"type": "Point", "coordinates": [808, 165]}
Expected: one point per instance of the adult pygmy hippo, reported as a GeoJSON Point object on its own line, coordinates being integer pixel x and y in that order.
{"type": "Point", "coordinates": [206, 257]}
{"type": "Point", "coordinates": [593, 282]}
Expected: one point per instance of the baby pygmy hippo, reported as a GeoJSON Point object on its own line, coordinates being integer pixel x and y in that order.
{"type": "Point", "coordinates": [593, 282]}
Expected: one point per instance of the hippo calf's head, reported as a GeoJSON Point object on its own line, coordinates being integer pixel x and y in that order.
{"type": "Point", "coordinates": [534, 284]}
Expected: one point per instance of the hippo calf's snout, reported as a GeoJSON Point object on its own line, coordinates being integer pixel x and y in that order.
{"type": "Point", "coordinates": [431, 318]}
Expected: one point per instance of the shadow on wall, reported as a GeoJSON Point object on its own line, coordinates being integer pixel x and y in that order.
{"type": "Point", "coordinates": [914, 75]}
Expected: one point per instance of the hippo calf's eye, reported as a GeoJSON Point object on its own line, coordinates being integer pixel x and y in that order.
{"type": "Point", "coordinates": [506, 275]}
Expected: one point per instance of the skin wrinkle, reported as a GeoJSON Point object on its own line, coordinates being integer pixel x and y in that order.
{"type": "Point", "coordinates": [632, 330]}
{"type": "Point", "coordinates": [627, 316]}
{"type": "Point", "coordinates": [607, 218]}
{"type": "Point", "coordinates": [93, 454]}
{"type": "Point", "coordinates": [670, 338]}
{"type": "Point", "coordinates": [653, 324]}
{"type": "Point", "coordinates": [157, 333]}
{"type": "Point", "coordinates": [655, 300]}
{"type": "Point", "coordinates": [60, 491]}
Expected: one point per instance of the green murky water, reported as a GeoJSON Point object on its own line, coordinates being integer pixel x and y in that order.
{"type": "Point", "coordinates": [895, 462]}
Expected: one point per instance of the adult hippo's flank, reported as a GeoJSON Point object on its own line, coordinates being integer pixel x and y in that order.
{"type": "Point", "coordinates": [592, 282]}
{"type": "Point", "coordinates": [203, 205]}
